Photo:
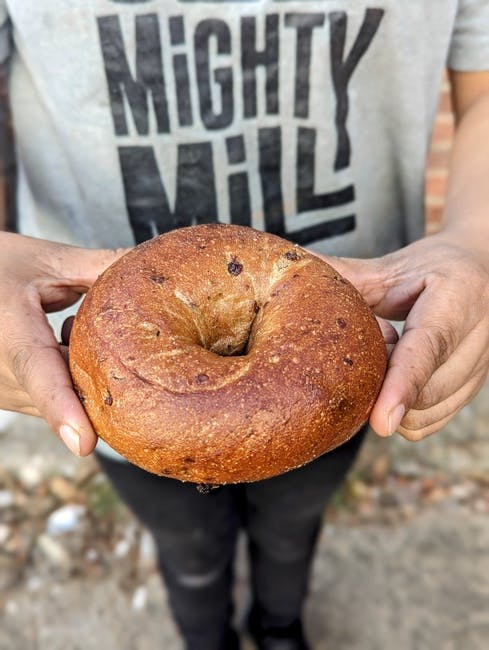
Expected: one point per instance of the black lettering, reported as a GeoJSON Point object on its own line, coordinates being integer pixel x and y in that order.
{"type": "Point", "coordinates": [235, 149]}
{"type": "Point", "coordinates": [196, 186]}
{"type": "Point", "coordinates": [323, 230]}
{"type": "Point", "coordinates": [342, 69]}
{"type": "Point", "coordinates": [308, 201]}
{"type": "Point", "coordinates": [306, 163]}
{"type": "Point", "coordinates": [238, 188]}
{"type": "Point", "coordinates": [177, 30]}
{"type": "Point", "coordinates": [146, 198]}
{"type": "Point", "coordinates": [304, 24]}
{"type": "Point", "coordinates": [180, 72]}
{"type": "Point", "coordinates": [270, 156]}
{"type": "Point", "coordinates": [182, 90]}
{"type": "Point", "coordinates": [223, 76]}
{"type": "Point", "coordinates": [149, 74]}
{"type": "Point", "coordinates": [251, 58]}
{"type": "Point", "coordinates": [239, 199]}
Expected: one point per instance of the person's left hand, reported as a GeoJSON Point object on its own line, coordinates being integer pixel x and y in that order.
{"type": "Point", "coordinates": [440, 286]}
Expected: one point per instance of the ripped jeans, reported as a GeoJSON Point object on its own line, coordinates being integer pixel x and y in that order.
{"type": "Point", "coordinates": [196, 535]}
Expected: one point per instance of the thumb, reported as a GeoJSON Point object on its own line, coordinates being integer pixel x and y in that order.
{"type": "Point", "coordinates": [44, 375]}
{"type": "Point", "coordinates": [43, 378]}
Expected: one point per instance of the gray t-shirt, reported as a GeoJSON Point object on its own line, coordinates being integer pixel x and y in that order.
{"type": "Point", "coordinates": [308, 119]}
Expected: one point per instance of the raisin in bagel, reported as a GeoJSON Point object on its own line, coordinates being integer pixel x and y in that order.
{"type": "Point", "coordinates": [220, 354]}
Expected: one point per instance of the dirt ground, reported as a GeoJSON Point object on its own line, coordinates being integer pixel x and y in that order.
{"type": "Point", "coordinates": [403, 562]}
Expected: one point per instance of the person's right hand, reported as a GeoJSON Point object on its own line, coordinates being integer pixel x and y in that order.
{"type": "Point", "coordinates": [36, 277]}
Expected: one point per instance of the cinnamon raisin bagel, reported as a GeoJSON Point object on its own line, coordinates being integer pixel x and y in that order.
{"type": "Point", "coordinates": [220, 354]}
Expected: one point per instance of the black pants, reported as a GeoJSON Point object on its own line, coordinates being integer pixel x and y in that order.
{"type": "Point", "coordinates": [196, 534]}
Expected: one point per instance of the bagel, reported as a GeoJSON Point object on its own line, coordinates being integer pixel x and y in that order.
{"type": "Point", "coordinates": [220, 354]}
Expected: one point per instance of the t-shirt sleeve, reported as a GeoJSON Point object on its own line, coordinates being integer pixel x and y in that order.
{"type": "Point", "coordinates": [469, 50]}
{"type": "Point", "coordinates": [4, 33]}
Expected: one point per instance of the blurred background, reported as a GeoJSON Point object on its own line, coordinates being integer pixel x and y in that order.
{"type": "Point", "coordinates": [403, 557]}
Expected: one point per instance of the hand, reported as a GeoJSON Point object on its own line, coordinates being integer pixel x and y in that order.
{"type": "Point", "coordinates": [36, 277]}
{"type": "Point", "coordinates": [440, 287]}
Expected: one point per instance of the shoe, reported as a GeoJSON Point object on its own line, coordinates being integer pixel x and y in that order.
{"type": "Point", "coordinates": [278, 638]}
{"type": "Point", "coordinates": [229, 640]}
{"type": "Point", "coordinates": [232, 640]}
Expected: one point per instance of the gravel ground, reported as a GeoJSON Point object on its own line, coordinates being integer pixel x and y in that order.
{"type": "Point", "coordinates": [403, 562]}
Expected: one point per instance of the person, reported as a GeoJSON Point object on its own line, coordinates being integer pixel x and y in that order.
{"type": "Point", "coordinates": [310, 120]}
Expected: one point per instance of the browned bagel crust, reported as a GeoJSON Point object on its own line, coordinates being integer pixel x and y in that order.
{"type": "Point", "coordinates": [220, 354]}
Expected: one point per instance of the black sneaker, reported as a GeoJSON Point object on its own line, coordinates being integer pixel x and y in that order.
{"type": "Point", "coordinates": [232, 640]}
{"type": "Point", "coordinates": [229, 640]}
{"type": "Point", "coordinates": [278, 638]}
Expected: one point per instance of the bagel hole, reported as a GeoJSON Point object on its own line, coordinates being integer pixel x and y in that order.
{"type": "Point", "coordinates": [233, 336]}
{"type": "Point", "coordinates": [229, 349]}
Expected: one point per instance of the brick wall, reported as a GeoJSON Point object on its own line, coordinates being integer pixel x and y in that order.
{"type": "Point", "coordinates": [437, 170]}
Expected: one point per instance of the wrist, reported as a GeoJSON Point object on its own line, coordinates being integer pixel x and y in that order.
{"type": "Point", "coordinates": [465, 233]}
{"type": "Point", "coordinates": [465, 240]}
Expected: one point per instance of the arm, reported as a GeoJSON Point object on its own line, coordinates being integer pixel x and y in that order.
{"type": "Point", "coordinates": [440, 285]}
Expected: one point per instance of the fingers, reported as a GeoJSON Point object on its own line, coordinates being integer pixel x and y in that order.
{"type": "Point", "coordinates": [436, 396]}
{"type": "Point", "coordinates": [366, 275]}
{"type": "Point", "coordinates": [53, 397]}
{"type": "Point", "coordinates": [441, 290]}
{"type": "Point", "coordinates": [418, 424]}
{"type": "Point", "coordinates": [43, 381]}
{"type": "Point", "coordinates": [411, 364]}
{"type": "Point", "coordinates": [70, 272]}
{"type": "Point", "coordinates": [66, 330]}
{"type": "Point", "coordinates": [390, 335]}
{"type": "Point", "coordinates": [82, 266]}
{"type": "Point", "coordinates": [432, 333]}
{"type": "Point", "coordinates": [18, 400]}
{"type": "Point", "coordinates": [467, 361]}
{"type": "Point", "coordinates": [38, 276]}
{"type": "Point", "coordinates": [388, 331]}
{"type": "Point", "coordinates": [73, 273]}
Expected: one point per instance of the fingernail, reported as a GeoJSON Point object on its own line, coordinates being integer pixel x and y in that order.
{"type": "Point", "coordinates": [71, 439]}
{"type": "Point", "coordinates": [395, 417]}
